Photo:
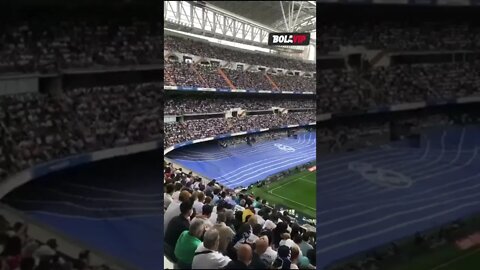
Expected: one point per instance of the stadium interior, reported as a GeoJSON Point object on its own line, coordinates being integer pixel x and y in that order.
{"type": "Point", "coordinates": [386, 95]}
{"type": "Point", "coordinates": [240, 135]}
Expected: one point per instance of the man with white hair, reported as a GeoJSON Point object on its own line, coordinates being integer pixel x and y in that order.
{"type": "Point", "coordinates": [188, 242]}
{"type": "Point", "coordinates": [206, 255]}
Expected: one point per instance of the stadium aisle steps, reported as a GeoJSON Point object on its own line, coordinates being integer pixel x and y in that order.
{"type": "Point", "coordinates": [225, 77]}
{"type": "Point", "coordinates": [272, 82]}
{"type": "Point", "coordinates": [199, 75]}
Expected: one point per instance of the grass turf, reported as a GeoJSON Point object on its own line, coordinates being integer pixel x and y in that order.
{"type": "Point", "coordinates": [447, 258]}
{"type": "Point", "coordinates": [296, 191]}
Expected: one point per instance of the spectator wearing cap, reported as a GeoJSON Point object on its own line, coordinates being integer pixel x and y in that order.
{"type": "Point", "coordinates": [244, 258]}
{"type": "Point", "coordinates": [173, 209]}
{"type": "Point", "coordinates": [226, 233]}
{"type": "Point", "coordinates": [207, 255]}
{"type": "Point", "coordinates": [188, 242]}
{"type": "Point", "coordinates": [178, 224]}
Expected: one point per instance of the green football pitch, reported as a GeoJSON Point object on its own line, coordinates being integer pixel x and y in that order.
{"type": "Point", "coordinates": [296, 191]}
{"type": "Point", "coordinates": [447, 258]}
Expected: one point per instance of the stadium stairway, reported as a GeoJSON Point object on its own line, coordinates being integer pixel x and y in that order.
{"type": "Point", "coordinates": [227, 80]}
{"type": "Point", "coordinates": [198, 74]}
{"type": "Point", "coordinates": [376, 59]}
{"type": "Point", "coordinates": [275, 86]}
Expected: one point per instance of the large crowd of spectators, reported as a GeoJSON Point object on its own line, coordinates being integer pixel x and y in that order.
{"type": "Point", "coordinates": [205, 49]}
{"type": "Point", "coordinates": [207, 226]}
{"type": "Point", "coordinates": [182, 105]}
{"type": "Point", "coordinates": [341, 90]}
{"type": "Point", "coordinates": [36, 128]}
{"type": "Point", "coordinates": [271, 135]}
{"type": "Point", "coordinates": [41, 45]}
{"type": "Point", "coordinates": [193, 75]}
{"type": "Point", "coordinates": [425, 82]}
{"type": "Point", "coordinates": [399, 35]}
{"type": "Point", "coordinates": [178, 132]}
{"type": "Point", "coordinates": [19, 251]}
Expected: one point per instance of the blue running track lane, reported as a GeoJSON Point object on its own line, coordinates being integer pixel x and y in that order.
{"type": "Point", "coordinates": [114, 206]}
{"type": "Point", "coordinates": [372, 197]}
{"type": "Point", "coordinates": [243, 165]}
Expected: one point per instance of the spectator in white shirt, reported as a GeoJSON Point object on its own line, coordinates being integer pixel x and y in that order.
{"type": "Point", "coordinates": [206, 213]}
{"type": "Point", "coordinates": [286, 241]}
{"type": "Point", "coordinates": [269, 255]}
{"type": "Point", "coordinates": [207, 255]}
{"type": "Point", "coordinates": [173, 209]}
{"type": "Point", "coordinates": [176, 193]}
{"type": "Point", "coordinates": [198, 204]}
{"type": "Point", "coordinates": [167, 196]}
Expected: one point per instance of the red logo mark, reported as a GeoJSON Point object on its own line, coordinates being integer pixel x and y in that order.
{"type": "Point", "coordinates": [299, 39]}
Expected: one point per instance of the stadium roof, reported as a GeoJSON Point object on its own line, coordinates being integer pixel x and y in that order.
{"type": "Point", "coordinates": [244, 22]}
{"type": "Point", "coordinates": [283, 16]}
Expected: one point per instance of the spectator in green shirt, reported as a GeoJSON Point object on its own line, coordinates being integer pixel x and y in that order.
{"type": "Point", "coordinates": [188, 242]}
